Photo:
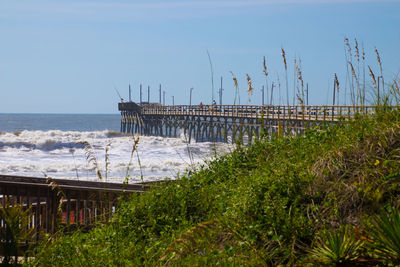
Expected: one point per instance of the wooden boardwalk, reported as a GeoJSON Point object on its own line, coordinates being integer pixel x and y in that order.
{"type": "Point", "coordinates": [229, 123]}
{"type": "Point", "coordinates": [59, 204]}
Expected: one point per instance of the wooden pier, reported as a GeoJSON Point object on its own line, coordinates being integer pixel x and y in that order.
{"type": "Point", "coordinates": [229, 123]}
{"type": "Point", "coordinates": [57, 204]}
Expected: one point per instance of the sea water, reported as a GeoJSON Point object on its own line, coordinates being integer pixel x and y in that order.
{"type": "Point", "coordinates": [61, 145]}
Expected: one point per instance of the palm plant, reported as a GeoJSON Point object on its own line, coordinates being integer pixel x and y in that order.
{"type": "Point", "coordinates": [385, 233]}
{"type": "Point", "coordinates": [15, 231]}
{"type": "Point", "coordinates": [340, 248]}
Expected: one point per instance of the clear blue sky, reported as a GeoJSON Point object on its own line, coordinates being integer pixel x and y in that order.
{"type": "Point", "coordinates": [67, 56]}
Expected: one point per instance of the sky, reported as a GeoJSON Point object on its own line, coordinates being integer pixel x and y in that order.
{"type": "Point", "coordinates": [70, 56]}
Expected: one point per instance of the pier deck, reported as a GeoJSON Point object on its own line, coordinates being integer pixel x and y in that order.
{"type": "Point", "coordinates": [223, 123]}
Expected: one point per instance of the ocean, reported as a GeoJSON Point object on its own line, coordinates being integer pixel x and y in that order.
{"type": "Point", "coordinates": [56, 145]}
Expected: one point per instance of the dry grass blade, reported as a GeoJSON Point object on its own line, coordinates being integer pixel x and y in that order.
{"type": "Point", "coordinates": [212, 74]}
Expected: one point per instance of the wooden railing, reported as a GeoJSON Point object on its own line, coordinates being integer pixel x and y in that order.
{"type": "Point", "coordinates": [52, 204]}
{"type": "Point", "coordinates": [311, 112]}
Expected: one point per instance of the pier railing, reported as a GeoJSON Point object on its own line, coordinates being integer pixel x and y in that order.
{"type": "Point", "coordinates": [311, 112]}
{"type": "Point", "coordinates": [231, 123]}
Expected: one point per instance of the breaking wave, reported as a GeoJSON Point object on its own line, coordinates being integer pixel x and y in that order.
{"type": "Point", "coordinates": [62, 154]}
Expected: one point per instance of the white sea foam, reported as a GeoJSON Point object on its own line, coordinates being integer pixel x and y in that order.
{"type": "Point", "coordinates": [61, 154]}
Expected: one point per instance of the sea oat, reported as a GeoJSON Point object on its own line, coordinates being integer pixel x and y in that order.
{"type": "Point", "coordinates": [265, 68]}
{"type": "Point", "coordinates": [347, 43]}
{"type": "Point", "coordinates": [134, 148]}
{"type": "Point", "coordinates": [284, 58]}
{"type": "Point", "coordinates": [396, 89]}
{"type": "Point", "coordinates": [91, 158]}
{"type": "Point", "coordinates": [234, 79]}
{"type": "Point", "coordinates": [236, 87]}
{"type": "Point", "coordinates": [335, 88]}
{"type": "Point", "coordinates": [300, 76]}
{"type": "Point", "coordinates": [379, 59]}
{"type": "Point", "coordinates": [107, 159]}
{"type": "Point", "coordinates": [336, 83]}
{"type": "Point", "coordinates": [372, 75]}
{"type": "Point", "coordinates": [287, 82]}
{"type": "Point", "coordinates": [396, 85]}
{"type": "Point", "coordinates": [353, 72]}
{"type": "Point", "coordinates": [57, 188]}
{"type": "Point", "coordinates": [250, 89]}
{"type": "Point", "coordinates": [363, 52]}
{"type": "Point", "coordinates": [357, 50]}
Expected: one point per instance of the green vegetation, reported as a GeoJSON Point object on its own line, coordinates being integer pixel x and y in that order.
{"type": "Point", "coordinates": [18, 229]}
{"type": "Point", "coordinates": [329, 197]}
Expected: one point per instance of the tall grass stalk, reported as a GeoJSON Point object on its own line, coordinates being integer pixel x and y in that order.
{"type": "Point", "coordinates": [237, 94]}
{"type": "Point", "coordinates": [349, 77]}
{"type": "Point", "coordinates": [363, 62]}
{"type": "Point", "coordinates": [212, 76]}
{"type": "Point", "coordinates": [300, 88]}
{"type": "Point", "coordinates": [107, 160]}
{"type": "Point", "coordinates": [295, 79]}
{"type": "Point", "coordinates": [286, 75]}
{"type": "Point", "coordinates": [91, 158]}
{"type": "Point", "coordinates": [359, 89]}
{"type": "Point", "coordinates": [76, 168]}
{"type": "Point", "coordinates": [266, 77]}
{"type": "Point", "coordinates": [250, 88]}
{"type": "Point", "coordinates": [133, 150]}
{"type": "Point", "coordinates": [336, 83]}
{"type": "Point", "coordinates": [375, 84]}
